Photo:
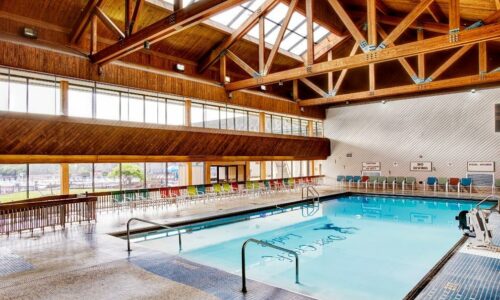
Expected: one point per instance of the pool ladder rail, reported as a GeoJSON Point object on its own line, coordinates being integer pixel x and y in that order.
{"type": "Point", "coordinates": [488, 198]}
{"type": "Point", "coordinates": [264, 244]}
{"type": "Point", "coordinates": [152, 223]}
{"type": "Point", "coordinates": [311, 194]}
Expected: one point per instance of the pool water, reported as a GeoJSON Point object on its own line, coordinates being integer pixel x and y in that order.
{"type": "Point", "coordinates": [352, 247]}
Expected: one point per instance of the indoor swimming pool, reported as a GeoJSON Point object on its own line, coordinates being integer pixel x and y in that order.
{"type": "Point", "coordinates": [350, 247]}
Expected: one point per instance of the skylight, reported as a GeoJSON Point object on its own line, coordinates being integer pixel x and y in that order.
{"type": "Point", "coordinates": [295, 38]}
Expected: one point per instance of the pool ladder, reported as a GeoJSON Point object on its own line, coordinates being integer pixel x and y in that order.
{"type": "Point", "coordinates": [152, 223]}
{"type": "Point", "coordinates": [487, 198]}
{"type": "Point", "coordinates": [264, 244]}
{"type": "Point", "coordinates": [311, 194]}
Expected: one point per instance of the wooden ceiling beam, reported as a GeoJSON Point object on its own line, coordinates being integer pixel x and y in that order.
{"type": "Point", "coordinates": [279, 38]}
{"type": "Point", "coordinates": [404, 63]}
{"type": "Point", "coordinates": [343, 73]}
{"type": "Point", "coordinates": [328, 43]}
{"type": "Point", "coordinates": [381, 7]}
{"type": "Point", "coordinates": [137, 10]}
{"type": "Point", "coordinates": [472, 80]}
{"type": "Point", "coordinates": [350, 25]}
{"type": "Point", "coordinates": [436, 13]}
{"type": "Point", "coordinates": [454, 15]}
{"type": "Point", "coordinates": [483, 58]}
{"type": "Point", "coordinates": [243, 65]}
{"type": "Point", "coordinates": [371, 18]}
{"type": "Point", "coordinates": [310, 33]}
{"type": "Point", "coordinates": [314, 87]}
{"type": "Point", "coordinates": [450, 61]}
{"type": "Point", "coordinates": [213, 55]}
{"type": "Point", "coordinates": [262, 45]}
{"type": "Point", "coordinates": [439, 43]}
{"type": "Point", "coordinates": [83, 20]}
{"type": "Point", "coordinates": [421, 58]}
{"type": "Point", "coordinates": [405, 23]}
{"type": "Point", "coordinates": [109, 23]}
{"type": "Point", "coordinates": [179, 20]}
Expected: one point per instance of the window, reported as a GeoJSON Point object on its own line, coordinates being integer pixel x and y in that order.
{"type": "Point", "coordinates": [276, 125]}
{"type": "Point", "coordinates": [4, 92]}
{"type": "Point", "coordinates": [106, 177]}
{"type": "Point", "coordinates": [253, 122]}
{"type": "Point", "coordinates": [211, 114]}
{"type": "Point", "coordinates": [177, 174]}
{"type": "Point", "coordinates": [80, 178]}
{"type": "Point", "coordinates": [287, 125]}
{"type": "Point", "coordinates": [269, 169]}
{"type": "Point", "coordinates": [132, 107]}
{"type": "Point", "coordinates": [319, 129]}
{"type": "Point", "coordinates": [287, 169]}
{"type": "Point", "coordinates": [107, 105]}
{"type": "Point", "coordinates": [255, 170]}
{"type": "Point", "coordinates": [296, 169]}
{"type": "Point", "coordinates": [198, 172]}
{"type": "Point", "coordinates": [303, 127]}
{"type": "Point", "coordinates": [318, 167]}
{"type": "Point", "coordinates": [79, 101]}
{"type": "Point", "coordinates": [43, 97]}
{"type": "Point", "coordinates": [175, 112]}
{"type": "Point", "coordinates": [227, 118]}
{"type": "Point", "coordinates": [196, 115]}
{"type": "Point", "coordinates": [156, 175]}
{"type": "Point", "coordinates": [240, 118]}
{"type": "Point", "coordinates": [44, 180]}
{"type": "Point", "coordinates": [18, 98]}
{"type": "Point", "coordinates": [295, 127]}
{"type": "Point", "coordinates": [152, 111]}
{"type": "Point", "coordinates": [269, 125]}
{"type": "Point", "coordinates": [305, 168]}
{"type": "Point", "coordinates": [132, 175]}
{"type": "Point", "coordinates": [13, 182]}
{"type": "Point", "coordinates": [277, 169]}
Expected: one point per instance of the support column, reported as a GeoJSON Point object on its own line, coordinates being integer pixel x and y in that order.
{"type": "Point", "coordinates": [247, 170]}
{"type": "Point", "coordinates": [263, 170]}
{"type": "Point", "coordinates": [64, 179]}
{"type": "Point", "coordinates": [187, 112]}
{"type": "Point", "coordinates": [64, 87]}
{"type": "Point", "coordinates": [207, 172]}
{"type": "Point", "coordinates": [311, 168]}
{"type": "Point", "coordinates": [262, 122]}
{"type": "Point", "coordinates": [310, 131]}
{"type": "Point", "coordinates": [189, 173]}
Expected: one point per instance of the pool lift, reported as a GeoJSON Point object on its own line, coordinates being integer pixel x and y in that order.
{"type": "Point", "coordinates": [481, 223]}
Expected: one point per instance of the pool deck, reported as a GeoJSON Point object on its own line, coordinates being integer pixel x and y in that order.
{"type": "Point", "coordinates": [85, 261]}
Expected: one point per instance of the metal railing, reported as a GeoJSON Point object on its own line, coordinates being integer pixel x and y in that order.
{"type": "Point", "coordinates": [487, 198]}
{"type": "Point", "coordinates": [262, 243]}
{"type": "Point", "coordinates": [153, 223]}
{"type": "Point", "coordinates": [310, 190]}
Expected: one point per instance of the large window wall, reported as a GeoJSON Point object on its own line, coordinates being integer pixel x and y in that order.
{"type": "Point", "coordinates": [37, 93]}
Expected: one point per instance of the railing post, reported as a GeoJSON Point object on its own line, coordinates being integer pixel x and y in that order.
{"type": "Point", "coordinates": [243, 271]}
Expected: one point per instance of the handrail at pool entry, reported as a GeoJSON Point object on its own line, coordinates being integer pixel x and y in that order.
{"type": "Point", "coordinates": [487, 198]}
{"type": "Point", "coordinates": [153, 223]}
{"type": "Point", "coordinates": [313, 191]}
{"type": "Point", "coordinates": [262, 243]}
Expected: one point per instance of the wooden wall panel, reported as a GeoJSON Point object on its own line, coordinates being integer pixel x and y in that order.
{"type": "Point", "coordinates": [24, 134]}
{"type": "Point", "coordinates": [77, 66]}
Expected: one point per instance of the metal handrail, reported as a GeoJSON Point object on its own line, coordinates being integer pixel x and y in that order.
{"type": "Point", "coordinates": [314, 192]}
{"type": "Point", "coordinates": [488, 197]}
{"type": "Point", "coordinates": [153, 223]}
{"type": "Point", "coordinates": [262, 243]}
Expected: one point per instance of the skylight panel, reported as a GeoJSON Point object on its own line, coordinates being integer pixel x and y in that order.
{"type": "Point", "coordinates": [320, 33]}
{"type": "Point", "coordinates": [254, 32]}
{"type": "Point", "coordinates": [255, 4]}
{"type": "Point", "coordinates": [299, 48]}
{"type": "Point", "coordinates": [302, 29]}
{"type": "Point", "coordinates": [239, 19]}
{"type": "Point", "coordinates": [227, 16]}
{"type": "Point", "coordinates": [272, 31]}
{"type": "Point", "coordinates": [296, 20]}
{"type": "Point", "coordinates": [278, 13]}
{"type": "Point", "coordinates": [291, 40]}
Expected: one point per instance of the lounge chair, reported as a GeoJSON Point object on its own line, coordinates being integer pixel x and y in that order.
{"type": "Point", "coordinates": [356, 180]}
{"type": "Point", "coordinates": [431, 181]}
{"type": "Point", "coordinates": [400, 182]}
{"type": "Point", "coordinates": [371, 180]}
{"type": "Point", "coordinates": [381, 180]}
{"type": "Point", "coordinates": [410, 181]}
{"type": "Point", "coordinates": [453, 182]}
{"type": "Point", "coordinates": [391, 181]}
{"type": "Point", "coordinates": [364, 179]}
{"type": "Point", "coordinates": [348, 180]}
{"type": "Point", "coordinates": [442, 182]}
{"type": "Point", "coordinates": [496, 185]}
{"type": "Point", "coordinates": [341, 180]}
{"type": "Point", "coordinates": [268, 187]}
{"type": "Point", "coordinates": [465, 182]}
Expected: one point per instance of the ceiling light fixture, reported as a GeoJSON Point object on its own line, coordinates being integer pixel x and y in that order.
{"type": "Point", "coordinates": [180, 67]}
{"type": "Point", "coordinates": [147, 45]}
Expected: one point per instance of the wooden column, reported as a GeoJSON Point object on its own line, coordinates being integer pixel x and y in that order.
{"type": "Point", "coordinates": [262, 45]}
{"type": "Point", "coordinates": [64, 86]}
{"type": "Point", "coordinates": [372, 24]}
{"type": "Point", "coordinates": [371, 77]}
{"type": "Point", "coordinates": [207, 172]}
{"type": "Point", "coordinates": [187, 112]}
{"type": "Point", "coordinates": [310, 131]}
{"type": "Point", "coordinates": [189, 173]}
{"type": "Point", "coordinates": [454, 15]}
{"type": "Point", "coordinates": [247, 170]}
{"type": "Point", "coordinates": [483, 59]}
{"type": "Point", "coordinates": [262, 122]}
{"type": "Point", "coordinates": [295, 90]}
{"type": "Point", "coordinates": [330, 74]}
{"type": "Point", "coordinates": [64, 179]}
{"type": "Point", "coordinates": [421, 57]}
{"type": "Point", "coordinates": [311, 168]}
{"type": "Point", "coordinates": [222, 69]}
{"type": "Point", "coordinates": [310, 33]}
{"type": "Point", "coordinates": [263, 170]}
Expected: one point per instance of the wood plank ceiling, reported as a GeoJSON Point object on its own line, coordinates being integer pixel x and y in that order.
{"type": "Point", "coordinates": [191, 45]}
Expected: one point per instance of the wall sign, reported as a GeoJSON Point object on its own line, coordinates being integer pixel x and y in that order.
{"type": "Point", "coordinates": [480, 166]}
{"type": "Point", "coordinates": [425, 166]}
{"type": "Point", "coordinates": [371, 166]}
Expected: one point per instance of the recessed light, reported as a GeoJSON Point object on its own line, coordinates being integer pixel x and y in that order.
{"type": "Point", "coordinates": [473, 91]}
{"type": "Point", "coordinates": [227, 79]}
{"type": "Point", "coordinates": [263, 87]}
{"type": "Point", "coordinates": [384, 102]}
{"type": "Point", "coordinates": [147, 45]}
{"type": "Point", "coordinates": [180, 67]}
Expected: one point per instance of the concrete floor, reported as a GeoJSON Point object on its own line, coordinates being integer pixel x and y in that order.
{"type": "Point", "coordinates": [84, 261]}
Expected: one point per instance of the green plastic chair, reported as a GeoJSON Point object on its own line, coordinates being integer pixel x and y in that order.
{"type": "Point", "coordinates": [218, 189]}
{"type": "Point", "coordinates": [143, 194]}
{"type": "Point", "coordinates": [227, 188]}
{"type": "Point", "coordinates": [400, 181]}
{"type": "Point", "coordinates": [442, 182]}
{"type": "Point", "coordinates": [411, 181]}
{"type": "Point", "coordinates": [249, 186]}
{"type": "Point", "coordinates": [117, 197]}
{"type": "Point", "coordinates": [381, 180]}
{"type": "Point", "coordinates": [192, 192]}
{"type": "Point", "coordinates": [391, 180]}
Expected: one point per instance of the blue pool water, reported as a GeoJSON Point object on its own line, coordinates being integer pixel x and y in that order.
{"type": "Point", "coordinates": [353, 247]}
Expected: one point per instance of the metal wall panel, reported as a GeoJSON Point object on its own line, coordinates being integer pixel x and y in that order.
{"type": "Point", "coordinates": [446, 129]}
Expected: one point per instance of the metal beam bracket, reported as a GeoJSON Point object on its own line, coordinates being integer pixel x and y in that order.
{"type": "Point", "coordinates": [381, 46]}
{"type": "Point", "coordinates": [364, 46]}
{"type": "Point", "coordinates": [454, 35]}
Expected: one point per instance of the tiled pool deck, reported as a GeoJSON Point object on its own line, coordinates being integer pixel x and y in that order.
{"type": "Point", "coordinates": [84, 261]}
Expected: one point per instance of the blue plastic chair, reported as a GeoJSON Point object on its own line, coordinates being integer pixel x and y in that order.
{"type": "Point", "coordinates": [431, 181]}
{"type": "Point", "coordinates": [466, 182]}
{"type": "Point", "coordinates": [356, 179]}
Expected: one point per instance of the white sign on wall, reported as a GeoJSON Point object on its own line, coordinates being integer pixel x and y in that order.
{"type": "Point", "coordinates": [425, 166]}
{"type": "Point", "coordinates": [480, 166]}
{"type": "Point", "coordinates": [371, 166]}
